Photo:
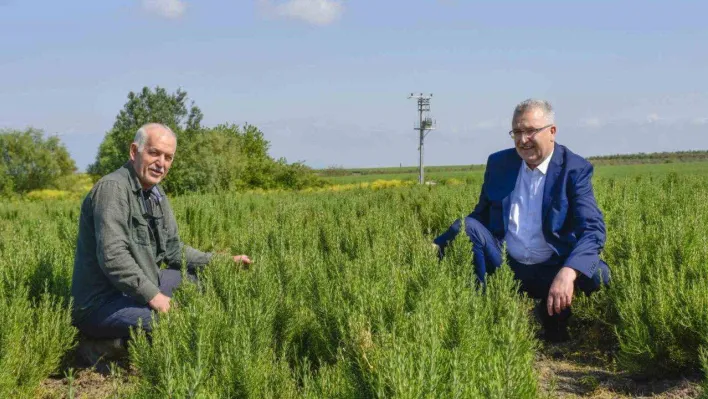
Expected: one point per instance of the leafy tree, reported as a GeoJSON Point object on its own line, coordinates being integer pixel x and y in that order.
{"type": "Point", "coordinates": [144, 107]}
{"type": "Point", "coordinates": [31, 162]}
{"type": "Point", "coordinates": [229, 157]}
{"type": "Point", "coordinates": [5, 181]}
{"type": "Point", "coordinates": [211, 160]}
{"type": "Point", "coordinates": [225, 157]}
{"type": "Point", "coordinates": [296, 176]}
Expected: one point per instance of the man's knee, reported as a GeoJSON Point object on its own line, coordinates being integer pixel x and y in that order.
{"type": "Point", "coordinates": [170, 279]}
{"type": "Point", "coordinates": [476, 231]}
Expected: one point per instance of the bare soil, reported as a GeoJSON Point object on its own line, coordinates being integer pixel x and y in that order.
{"type": "Point", "coordinates": [578, 369]}
{"type": "Point", "coordinates": [74, 380]}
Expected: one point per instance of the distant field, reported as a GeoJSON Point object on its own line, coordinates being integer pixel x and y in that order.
{"type": "Point", "coordinates": [475, 173]}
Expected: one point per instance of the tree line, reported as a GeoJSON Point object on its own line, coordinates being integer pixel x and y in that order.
{"type": "Point", "coordinates": [209, 159]}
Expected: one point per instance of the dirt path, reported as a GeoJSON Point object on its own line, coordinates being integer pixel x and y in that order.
{"type": "Point", "coordinates": [566, 373]}
{"type": "Point", "coordinates": [75, 381]}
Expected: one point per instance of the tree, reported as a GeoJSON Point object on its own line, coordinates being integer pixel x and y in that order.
{"type": "Point", "coordinates": [224, 157]}
{"type": "Point", "coordinates": [31, 162]}
{"type": "Point", "coordinates": [211, 160]}
{"type": "Point", "coordinates": [145, 107]}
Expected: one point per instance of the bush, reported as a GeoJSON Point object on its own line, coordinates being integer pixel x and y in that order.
{"type": "Point", "coordinates": [36, 253]}
{"type": "Point", "coordinates": [31, 162]}
{"type": "Point", "coordinates": [221, 158]}
{"type": "Point", "coordinates": [657, 255]}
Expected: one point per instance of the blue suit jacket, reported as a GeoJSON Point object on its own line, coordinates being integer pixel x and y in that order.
{"type": "Point", "coordinates": [572, 222]}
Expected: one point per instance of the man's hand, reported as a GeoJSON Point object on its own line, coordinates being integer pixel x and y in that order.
{"type": "Point", "coordinates": [160, 303]}
{"type": "Point", "coordinates": [242, 260]}
{"type": "Point", "coordinates": [560, 296]}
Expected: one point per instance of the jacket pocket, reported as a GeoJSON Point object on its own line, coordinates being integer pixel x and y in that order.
{"type": "Point", "coordinates": [139, 231]}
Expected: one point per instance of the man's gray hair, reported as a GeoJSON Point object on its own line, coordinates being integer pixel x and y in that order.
{"type": "Point", "coordinates": [141, 135]}
{"type": "Point", "coordinates": [533, 103]}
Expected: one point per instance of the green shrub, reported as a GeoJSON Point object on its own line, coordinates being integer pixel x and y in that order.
{"type": "Point", "coordinates": [346, 297]}
{"type": "Point", "coordinates": [29, 161]}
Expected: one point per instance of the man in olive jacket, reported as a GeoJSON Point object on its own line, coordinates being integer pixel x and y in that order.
{"type": "Point", "coordinates": [126, 231]}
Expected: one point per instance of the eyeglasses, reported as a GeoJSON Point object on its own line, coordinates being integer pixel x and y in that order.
{"type": "Point", "coordinates": [517, 134]}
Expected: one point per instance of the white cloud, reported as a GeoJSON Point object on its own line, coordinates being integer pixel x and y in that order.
{"type": "Point", "coordinates": [700, 121]}
{"type": "Point", "coordinates": [171, 9]}
{"type": "Point", "coordinates": [590, 122]}
{"type": "Point", "coordinates": [316, 12]}
{"type": "Point", "coordinates": [653, 118]}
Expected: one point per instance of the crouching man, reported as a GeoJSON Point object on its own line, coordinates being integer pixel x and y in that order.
{"type": "Point", "coordinates": [126, 231]}
{"type": "Point", "coordinates": [538, 198]}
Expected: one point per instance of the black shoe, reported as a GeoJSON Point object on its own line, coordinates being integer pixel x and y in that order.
{"type": "Point", "coordinates": [555, 332]}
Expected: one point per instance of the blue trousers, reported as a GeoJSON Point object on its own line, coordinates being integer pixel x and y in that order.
{"type": "Point", "coordinates": [535, 280]}
{"type": "Point", "coordinates": [115, 318]}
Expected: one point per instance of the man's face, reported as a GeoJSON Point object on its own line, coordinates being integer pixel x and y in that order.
{"type": "Point", "coordinates": [533, 148]}
{"type": "Point", "coordinates": [152, 164]}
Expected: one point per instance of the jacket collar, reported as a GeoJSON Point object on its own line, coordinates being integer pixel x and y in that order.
{"type": "Point", "coordinates": [132, 177]}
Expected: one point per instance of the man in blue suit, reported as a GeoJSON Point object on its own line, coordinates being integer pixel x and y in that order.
{"type": "Point", "coordinates": [538, 198]}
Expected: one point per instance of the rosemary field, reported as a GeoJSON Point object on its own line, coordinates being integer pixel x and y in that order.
{"type": "Point", "coordinates": [347, 298]}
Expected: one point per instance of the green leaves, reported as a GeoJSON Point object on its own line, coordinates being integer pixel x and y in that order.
{"type": "Point", "coordinates": [29, 161]}
{"type": "Point", "coordinates": [221, 158]}
{"type": "Point", "coordinates": [146, 106]}
{"type": "Point", "coordinates": [345, 300]}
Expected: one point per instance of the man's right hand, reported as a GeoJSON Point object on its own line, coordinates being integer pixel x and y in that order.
{"type": "Point", "coordinates": [160, 303]}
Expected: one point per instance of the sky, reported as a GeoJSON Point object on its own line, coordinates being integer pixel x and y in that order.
{"type": "Point", "coordinates": [327, 81]}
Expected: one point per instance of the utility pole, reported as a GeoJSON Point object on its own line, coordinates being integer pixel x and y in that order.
{"type": "Point", "coordinates": [425, 124]}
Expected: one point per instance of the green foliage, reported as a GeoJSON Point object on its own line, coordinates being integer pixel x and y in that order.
{"type": "Point", "coordinates": [347, 298]}
{"type": "Point", "coordinates": [147, 106]}
{"type": "Point", "coordinates": [341, 302]}
{"type": "Point", "coordinates": [35, 313]}
{"type": "Point", "coordinates": [211, 160]}
{"type": "Point", "coordinates": [28, 161]}
{"type": "Point", "coordinates": [654, 157]}
{"type": "Point", "coordinates": [229, 157]}
{"type": "Point", "coordinates": [225, 157]}
{"type": "Point", "coordinates": [657, 303]}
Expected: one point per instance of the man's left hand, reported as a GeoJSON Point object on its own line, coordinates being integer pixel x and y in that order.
{"type": "Point", "coordinates": [560, 295]}
{"type": "Point", "coordinates": [242, 260]}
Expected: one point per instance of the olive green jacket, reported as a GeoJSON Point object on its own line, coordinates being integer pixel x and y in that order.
{"type": "Point", "coordinates": [117, 252]}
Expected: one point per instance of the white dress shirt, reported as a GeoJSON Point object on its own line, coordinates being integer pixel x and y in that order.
{"type": "Point", "coordinates": [524, 237]}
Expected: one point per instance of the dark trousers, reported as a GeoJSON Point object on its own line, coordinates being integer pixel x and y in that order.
{"type": "Point", "coordinates": [535, 279]}
{"type": "Point", "coordinates": [115, 318]}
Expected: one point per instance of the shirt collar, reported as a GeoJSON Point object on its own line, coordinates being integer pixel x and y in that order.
{"type": "Point", "coordinates": [543, 167]}
{"type": "Point", "coordinates": [154, 193]}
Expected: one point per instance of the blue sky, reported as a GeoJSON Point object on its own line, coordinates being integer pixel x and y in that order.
{"type": "Point", "coordinates": [327, 81]}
